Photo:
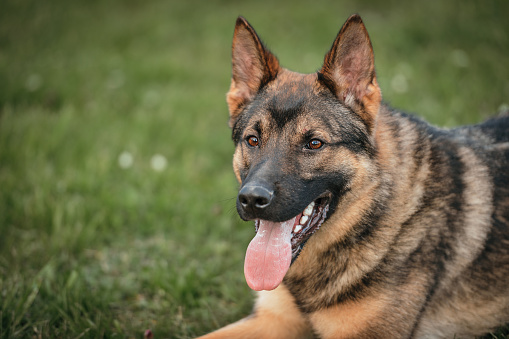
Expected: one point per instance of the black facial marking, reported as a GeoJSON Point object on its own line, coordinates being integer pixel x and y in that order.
{"type": "Point", "coordinates": [239, 127]}
{"type": "Point", "coordinates": [284, 111]}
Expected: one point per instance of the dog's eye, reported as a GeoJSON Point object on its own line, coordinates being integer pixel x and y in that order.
{"type": "Point", "coordinates": [253, 141]}
{"type": "Point", "coordinates": [315, 144]}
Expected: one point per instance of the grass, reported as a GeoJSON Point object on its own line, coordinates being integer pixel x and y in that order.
{"type": "Point", "coordinates": [116, 191]}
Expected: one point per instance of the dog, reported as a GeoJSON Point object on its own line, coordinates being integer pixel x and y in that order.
{"type": "Point", "coordinates": [370, 223]}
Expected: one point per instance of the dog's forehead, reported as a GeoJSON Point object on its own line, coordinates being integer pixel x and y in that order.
{"type": "Point", "coordinates": [289, 96]}
{"type": "Point", "coordinates": [291, 89]}
{"type": "Point", "coordinates": [293, 102]}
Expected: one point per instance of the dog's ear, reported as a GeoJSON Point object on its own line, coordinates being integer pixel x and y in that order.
{"type": "Point", "coordinates": [349, 70]}
{"type": "Point", "coordinates": [253, 66]}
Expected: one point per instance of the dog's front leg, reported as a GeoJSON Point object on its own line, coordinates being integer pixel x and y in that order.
{"type": "Point", "coordinates": [275, 316]}
{"type": "Point", "coordinates": [383, 315]}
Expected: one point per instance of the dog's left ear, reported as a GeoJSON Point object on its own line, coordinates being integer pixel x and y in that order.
{"type": "Point", "coordinates": [253, 66]}
{"type": "Point", "coordinates": [349, 71]}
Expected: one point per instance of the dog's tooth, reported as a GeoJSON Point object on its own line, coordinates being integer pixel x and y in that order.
{"type": "Point", "coordinates": [309, 209]}
{"type": "Point", "coordinates": [303, 220]}
{"type": "Point", "coordinates": [297, 229]}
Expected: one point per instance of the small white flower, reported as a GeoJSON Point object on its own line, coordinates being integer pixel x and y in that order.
{"type": "Point", "coordinates": [158, 162]}
{"type": "Point", "coordinates": [125, 160]}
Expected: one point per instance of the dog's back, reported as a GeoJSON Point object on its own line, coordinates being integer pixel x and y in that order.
{"type": "Point", "coordinates": [456, 182]}
{"type": "Point", "coordinates": [494, 132]}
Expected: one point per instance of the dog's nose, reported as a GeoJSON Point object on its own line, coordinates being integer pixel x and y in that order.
{"type": "Point", "coordinates": [255, 197]}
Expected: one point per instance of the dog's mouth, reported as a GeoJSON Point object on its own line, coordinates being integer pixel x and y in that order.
{"type": "Point", "coordinates": [305, 224]}
{"type": "Point", "coordinates": [277, 244]}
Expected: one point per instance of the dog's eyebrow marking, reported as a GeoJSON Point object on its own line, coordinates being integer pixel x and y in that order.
{"type": "Point", "coordinates": [258, 128]}
{"type": "Point", "coordinates": [285, 108]}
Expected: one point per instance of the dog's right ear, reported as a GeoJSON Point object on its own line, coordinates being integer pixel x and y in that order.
{"type": "Point", "coordinates": [253, 66]}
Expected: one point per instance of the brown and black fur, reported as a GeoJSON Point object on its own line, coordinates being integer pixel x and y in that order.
{"type": "Point", "coordinates": [416, 242]}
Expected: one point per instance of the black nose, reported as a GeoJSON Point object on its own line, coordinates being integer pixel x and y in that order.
{"type": "Point", "coordinates": [255, 197]}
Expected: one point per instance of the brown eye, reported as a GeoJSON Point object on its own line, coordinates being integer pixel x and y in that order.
{"type": "Point", "coordinates": [252, 141]}
{"type": "Point", "coordinates": [315, 144]}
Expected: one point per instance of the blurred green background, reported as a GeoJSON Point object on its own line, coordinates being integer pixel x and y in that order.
{"type": "Point", "coordinates": [117, 199]}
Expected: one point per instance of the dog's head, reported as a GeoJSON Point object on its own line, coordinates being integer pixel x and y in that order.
{"type": "Point", "coordinates": [302, 140]}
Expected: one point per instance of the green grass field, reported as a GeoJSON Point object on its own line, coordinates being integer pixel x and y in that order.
{"type": "Point", "coordinates": [117, 198]}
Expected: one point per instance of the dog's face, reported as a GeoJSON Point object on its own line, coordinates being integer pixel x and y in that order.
{"type": "Point", "coordinates": [296, 143]}
{"type": "Point", "coordinates": [302, 141]}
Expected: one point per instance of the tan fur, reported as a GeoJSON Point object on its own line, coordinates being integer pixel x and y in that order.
{"type": "Point", "coordinates": [275, 317]}
{"type": "Point", "coordinates": [347, 320]}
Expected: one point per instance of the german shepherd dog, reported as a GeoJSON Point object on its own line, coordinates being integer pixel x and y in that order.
{"type": "Point", "coordinates": [370, 223]}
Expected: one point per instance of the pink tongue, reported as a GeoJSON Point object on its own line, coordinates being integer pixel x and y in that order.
{"type": "Point", "coordinates": [269, 255]}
